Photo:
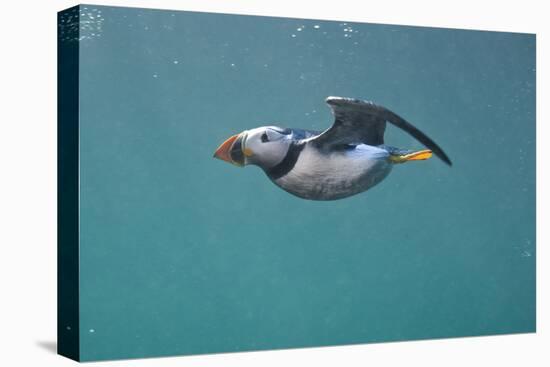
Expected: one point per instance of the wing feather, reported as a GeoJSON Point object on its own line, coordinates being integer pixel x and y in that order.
{"type": "Point", "coordinates": [357, 121]}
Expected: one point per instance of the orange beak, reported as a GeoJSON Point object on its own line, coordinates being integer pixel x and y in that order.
{"type": "Point", "coordinates": [231, 150]}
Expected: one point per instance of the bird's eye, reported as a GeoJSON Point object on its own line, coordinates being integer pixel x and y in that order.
{"type": "Point", "coordinates": [264, 138]}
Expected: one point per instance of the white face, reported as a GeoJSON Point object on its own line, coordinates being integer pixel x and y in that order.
{"type": "Point", "coordinates": [266, 146]}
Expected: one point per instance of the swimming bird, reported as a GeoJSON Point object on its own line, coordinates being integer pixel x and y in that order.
{"type": "Point", "coordinates": [347, 158]}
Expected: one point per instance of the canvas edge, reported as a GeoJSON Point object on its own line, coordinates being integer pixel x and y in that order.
{"type": "Point", "coordinates": [68, 325]}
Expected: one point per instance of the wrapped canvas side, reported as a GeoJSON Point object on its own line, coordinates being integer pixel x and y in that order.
{"type": "Point", "coordinates": [68, 184]}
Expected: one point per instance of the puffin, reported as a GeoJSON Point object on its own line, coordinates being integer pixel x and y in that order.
{"type": "Point", "coordinates": [346, 159]}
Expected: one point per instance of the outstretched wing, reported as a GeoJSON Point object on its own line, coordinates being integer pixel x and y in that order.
{"type": "Point", "coordinates": [363, 122]}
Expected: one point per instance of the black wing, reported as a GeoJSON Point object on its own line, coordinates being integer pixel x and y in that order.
{"type": "Point", "coordinates": [357, 122]}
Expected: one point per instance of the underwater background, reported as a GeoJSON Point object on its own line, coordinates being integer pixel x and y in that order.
{"type": "Point", "coordinates": [184, 254]}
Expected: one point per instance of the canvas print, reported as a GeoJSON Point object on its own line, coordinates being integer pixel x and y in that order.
{"type": "Point", "coordinates": [237, 183]}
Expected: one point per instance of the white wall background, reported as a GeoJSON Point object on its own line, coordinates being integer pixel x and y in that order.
{"type": "Point", "coordinates": [28, 182]}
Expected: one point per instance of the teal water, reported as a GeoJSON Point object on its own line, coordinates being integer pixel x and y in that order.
{"type": "Point", "coordinates": [184, 254]}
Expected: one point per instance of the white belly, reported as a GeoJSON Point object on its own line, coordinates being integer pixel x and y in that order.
{"type": "Point", "coordinates": [336, 175]}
